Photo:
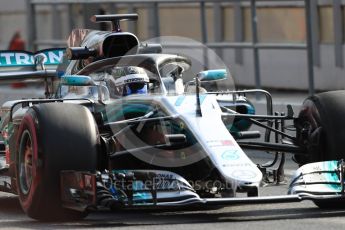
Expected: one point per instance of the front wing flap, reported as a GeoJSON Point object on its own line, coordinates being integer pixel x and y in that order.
{"type": "Point", "coordinates": [319, 178]}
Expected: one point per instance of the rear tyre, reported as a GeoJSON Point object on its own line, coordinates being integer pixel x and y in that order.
{"type": "Point", "coordinates": [321, 129]}
{"type": "Point", "coordinates": [53, 137]}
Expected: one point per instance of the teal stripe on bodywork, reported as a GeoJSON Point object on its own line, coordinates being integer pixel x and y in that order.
{"type": "Point", "coordinates": [202, 98]}
{"type": "Point", "coordinates": [241, 124]}
{"type": "Point", "coordinates": [179, 100]}
{"type": "Point", "coordinates": [77, 80]}
{"type": "Point", "coordinates": [332, 177]}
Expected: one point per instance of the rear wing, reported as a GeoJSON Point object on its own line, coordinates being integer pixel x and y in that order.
{"type": "Point", "coordinates": [23, 66]}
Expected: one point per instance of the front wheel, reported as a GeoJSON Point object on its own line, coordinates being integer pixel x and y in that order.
{"type": "Point", "coordinates": [321, 129]}
{"type": "Point", "coordinates": [51, 138]}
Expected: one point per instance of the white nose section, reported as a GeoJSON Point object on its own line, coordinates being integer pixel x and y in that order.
{"type": "Point", "coordinates": [230, 160]}
{"type": "Point", "coordinates": [210, 131]}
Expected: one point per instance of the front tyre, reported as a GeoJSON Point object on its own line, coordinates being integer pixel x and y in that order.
{"type": "Point", "coordinates": [51, 138]}
{"type": "Point", "coordinates": [321, 129]}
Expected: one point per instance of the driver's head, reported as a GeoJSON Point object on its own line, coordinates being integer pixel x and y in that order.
{"type": "Point", "coordinates": [130, 80]}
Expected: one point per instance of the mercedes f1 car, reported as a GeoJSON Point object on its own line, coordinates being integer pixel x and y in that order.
{"type": "Point", "coordinates": [122, 127]}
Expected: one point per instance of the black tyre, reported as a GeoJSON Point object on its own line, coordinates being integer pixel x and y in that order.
{"type": "Point", "coordinates": [321, 128]}
{"type": "Point", "coordinates": [52, 137]}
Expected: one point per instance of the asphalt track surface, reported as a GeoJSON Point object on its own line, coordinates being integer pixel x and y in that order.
{"type": "Point", "coordinates": [304, 215]}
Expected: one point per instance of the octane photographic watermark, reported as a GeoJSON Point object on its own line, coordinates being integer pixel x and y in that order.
{"type": "Point", "coordinates": [146, 137]}
{"type": "Point", "coordinates": [157, 183]}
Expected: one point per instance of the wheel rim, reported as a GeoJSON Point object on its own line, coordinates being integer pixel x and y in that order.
{"type": "Point", "coordinates": [26, 162]}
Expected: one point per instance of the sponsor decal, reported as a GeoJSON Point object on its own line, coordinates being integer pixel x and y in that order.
{"type": "Point", "coordinates": [132, 78]}
{"type": "Point", "coordinates": [243, 174]}
{"type": "Point", "coordinates": [317, 168]}
{"type": "Point", "coordinates": [219, 143]}
{"type": "Point", "coordinates": [227, 142]}
{"type": "Point", "coordinates": [230, 155]}
{"type": "Point", "coordinates": [138, 79]}
{"type": "Point", "coordinates": [15, 58]}
{"type": "Point", "coordinates": [237, 165]}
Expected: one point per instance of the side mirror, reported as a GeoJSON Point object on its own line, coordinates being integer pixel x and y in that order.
{"type": "Point", "coordinates": [212, 75]}
{"type": "Point", "coordinates": [82, 80]}
{"type": "Point", "coordinates": [77, 80]}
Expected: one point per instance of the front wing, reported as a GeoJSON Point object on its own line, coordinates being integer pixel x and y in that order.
{"type": "Point", "coordinates": [153, 189]}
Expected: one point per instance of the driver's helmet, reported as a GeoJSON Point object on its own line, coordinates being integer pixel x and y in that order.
{"type": "Point", "coordinates": [130, 80]}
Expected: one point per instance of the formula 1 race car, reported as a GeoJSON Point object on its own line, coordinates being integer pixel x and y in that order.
{"type": "Point", "coordinates": [121, 127]}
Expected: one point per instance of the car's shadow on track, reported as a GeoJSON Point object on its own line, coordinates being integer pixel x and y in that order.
{"type": "Point", "coordinates": [12, 216]}
{"type": "Point", "coordinates": [9, 204]}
